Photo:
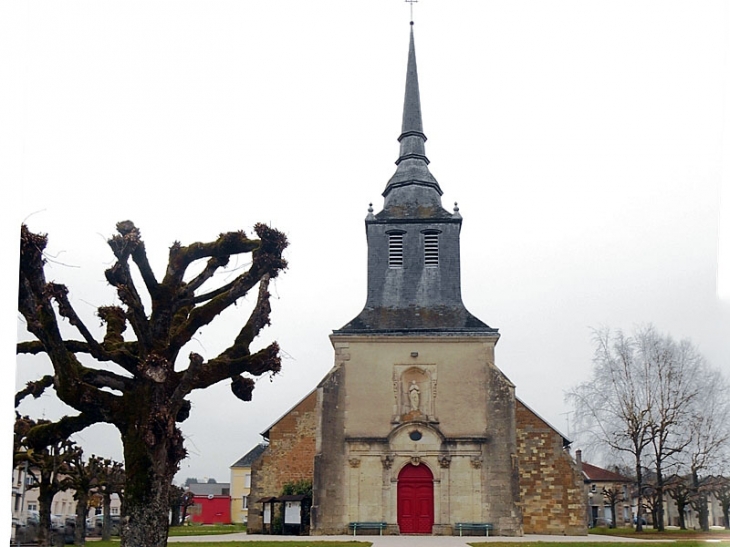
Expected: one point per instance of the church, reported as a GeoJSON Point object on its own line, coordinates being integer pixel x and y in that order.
{"type": "Point", "coordinates": [415, 426]}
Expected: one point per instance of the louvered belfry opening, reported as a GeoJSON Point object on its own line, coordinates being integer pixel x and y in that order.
{"type": "Point", "coordinates": [395, 250]}
{"type": "Point", "coordinates": [431, 249]}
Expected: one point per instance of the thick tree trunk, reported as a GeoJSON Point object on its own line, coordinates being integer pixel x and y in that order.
{"type": "Point", "coordinates": [703, 514]}
{"type": "Point", "coordinates": [640, 488]}
{"type": "Point", "coordinates": [659, 522]}
{"type": "Point", "coordinates": [726, 515]}
{"type": "Point", "coordinates": [45, 498]}
{"type": "Point", "coordinates": [680, 510]}
{"type": "Point", "coordinates": [701, 505]}
{"type": "Point", "coordinates": [106, 527]}
{"type": "Point", "coordinates": [153, 449]}
{"type": "Point", "coordinates": [175, 515]}
{"type": "Point", "coordinates": [82, 510]}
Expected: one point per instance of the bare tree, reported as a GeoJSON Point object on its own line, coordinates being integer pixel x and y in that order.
{"type": "Point", "coordinates": [708, 450]}
{"type": "Point", "coordinates": [700, 490]}
{"type": "Point", "coordinates": [652, 500]}
{"type": "Point", "coordinates": [143, 393]}
{"type": "Point", "coordinates": [679, 490]}
{"type": "Point", "coordinates": [656, 399]}
{"type": "Point", "coordinates": [721, 489]}
{"type": "Point", "coordinates": [613, 408]}
{"type": "Point", "coordinates": [673, 386]}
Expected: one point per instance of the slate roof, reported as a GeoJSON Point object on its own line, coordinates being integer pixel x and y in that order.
{"type": "Point", "coordinates": [213, 488]}
{"type": "Point", "coordinates": [250, 456]}
{"type": "Point", "coordinates": [597, 474]}
{"type": "Point", "coordinates": [412, 191]}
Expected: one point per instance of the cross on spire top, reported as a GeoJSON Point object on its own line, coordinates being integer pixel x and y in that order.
{"type": "Point", "coordinates": [411, 2]}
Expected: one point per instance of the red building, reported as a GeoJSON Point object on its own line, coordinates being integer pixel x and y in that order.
{"type": "Point", "coordinates": [211, 503]}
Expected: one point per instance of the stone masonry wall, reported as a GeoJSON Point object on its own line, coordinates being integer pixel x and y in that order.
{"type": "Point", "coordinates": [551, 485]}
{"type": "Point", "coordinates": [288, 458]}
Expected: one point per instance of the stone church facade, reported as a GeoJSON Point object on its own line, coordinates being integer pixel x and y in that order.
{"type": "Point", "coordinates": [415, 425]}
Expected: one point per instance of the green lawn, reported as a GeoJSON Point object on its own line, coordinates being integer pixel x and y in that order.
{"type": "Point", "coordinates": [678, 543]}
{"type": "Point", "coordinates": [671, 533]}
{"type": "Point", "coordinates": [207, 530]}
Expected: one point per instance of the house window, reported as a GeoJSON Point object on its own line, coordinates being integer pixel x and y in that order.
{"type": "Point", "coordinates": [114, 510]}
{"type": "Point", "coordinates": [247, 481]}
{"type": "Point", "coordinates": [32, 507]}
{"type": "Point", "coordinates": [431, 249]}
{"type": "Point", "coordinates": [245, 502]}
{"type": "Point", "coordinates": [593, 488]}
{"type": "Point", "coordinates": [395, 250]}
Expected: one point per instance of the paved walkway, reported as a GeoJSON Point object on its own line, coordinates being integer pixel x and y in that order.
{"type": "Point", "coordinates": [403, 541]}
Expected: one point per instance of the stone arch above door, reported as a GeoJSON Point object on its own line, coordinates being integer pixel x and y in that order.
{"type": "Point", "coordinates": [415, 438]}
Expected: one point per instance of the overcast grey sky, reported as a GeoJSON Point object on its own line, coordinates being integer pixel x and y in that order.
{"type": "Point", "coordinates": [583, 141]}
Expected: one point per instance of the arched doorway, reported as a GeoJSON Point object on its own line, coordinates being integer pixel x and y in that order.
{"type": "Point", "coordinates": [415, 500]}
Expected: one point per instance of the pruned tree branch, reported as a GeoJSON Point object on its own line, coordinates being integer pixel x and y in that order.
{"type": "Point", "coordinates": [46, 433]}
{"type": "Point", "coordinates": [35, 389]}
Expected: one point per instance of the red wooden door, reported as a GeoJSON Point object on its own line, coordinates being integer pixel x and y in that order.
{"type": "Point", "coordinates": [415, 500]}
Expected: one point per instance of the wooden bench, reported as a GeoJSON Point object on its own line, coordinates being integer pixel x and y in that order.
{"type": "Point", "coordinates": [461, 526]}
{"type": "Point", "coordinates": [367, 526]}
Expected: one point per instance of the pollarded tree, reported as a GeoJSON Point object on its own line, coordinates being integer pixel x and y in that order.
{"type": "Point", "coordinates": [176, 501]}
{"type": "Point", "coordinates": [144, 395]}
{"type": "Point", "coordinates": [185, 502]}
{"type": "Point", "coordinates": [679, 490]}
{"type": "Point", "coordinates": [612, 495]}
{"type": "Point", "coordinates": [700, 492]}
{"type": "Point", "coordinates": [47, 460]}
{"type": "Point", "coordinates": [81, 477]}
{"type": "Point", "coordinates": [110, 479]}
{"type": "Point", "coordinates": [721, 489]}
{"type": "Point", "coordinates": [652, 499]}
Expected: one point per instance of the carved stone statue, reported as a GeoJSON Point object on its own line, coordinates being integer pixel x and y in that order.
{"type": "Point", "coordinates": [414, 394]}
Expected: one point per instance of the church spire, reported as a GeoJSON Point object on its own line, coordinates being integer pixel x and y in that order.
{"type": "Point", "coordinates": [414, 264]}
{"type": "Point", "coordinates": [412, 127]}
{"type": "Point", "coordinates": [412, 162]}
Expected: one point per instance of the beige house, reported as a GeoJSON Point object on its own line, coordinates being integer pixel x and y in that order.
{"type": "Point", "coordinates": [241, 484]}
{"type": "Point", "coordinates": [415, 429]}
{"type": "Point", "coordinates": [601, 488]}
{"type": "Point", "coordinates": [25, 506]}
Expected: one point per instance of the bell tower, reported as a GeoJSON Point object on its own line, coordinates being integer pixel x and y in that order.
{"type": "Point", "coordinates": [414, 270]}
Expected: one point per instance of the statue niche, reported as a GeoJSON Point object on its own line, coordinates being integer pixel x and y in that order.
{"type": "Point", "coordinates": [414, 394]}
